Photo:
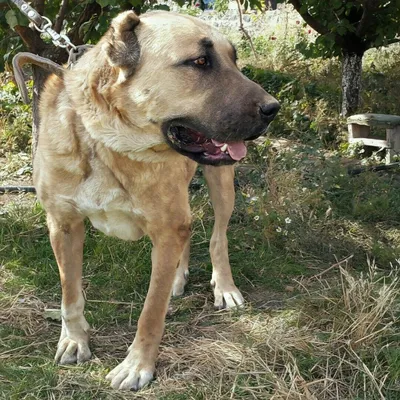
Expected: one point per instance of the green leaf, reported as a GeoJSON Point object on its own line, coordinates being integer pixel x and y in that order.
{"type": "Point", "coordinates": [163, 7]}
{"type": "Point", "coordinates": [105, 3]}
{"type": "Point", "coordinates": [137, 3]}
{"type": "Point", "coordinates": [11, 18]}
{"type": "Point", "coordinates": [14, 18]}
{"type": "Point", "coordinates": [256, 3]}
{"type": "Point", "coordinates": [341, 30]}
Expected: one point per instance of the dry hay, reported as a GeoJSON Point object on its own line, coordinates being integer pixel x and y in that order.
{"type": "Point", "coordinates": [312, 352]}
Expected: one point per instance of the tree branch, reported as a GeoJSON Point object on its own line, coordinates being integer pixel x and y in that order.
{"type": "Point", "coordinates": [90, 10]}
{"type": "Point", "coordinates": [314, 23]}
{"type": "Point", "coordinates": [391, 41]}
{"type": "Point", "coordinates": [241, 28]}
{"type": "Point", "coordinates": [60, 16]}
{"type": "Point", "coordinates": [371, 42]}
{"type": "Point", "coordinates": [387, 43]}
{"type": "Point", "coordinates": [38, 5]}
{"type": "Point", "coordinates": [367, 17]}
{"type": "Point", "coordinates": [31, 38]}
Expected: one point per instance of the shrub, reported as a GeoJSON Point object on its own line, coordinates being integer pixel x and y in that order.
{"type": "Point", "coordinates": [15, 120]}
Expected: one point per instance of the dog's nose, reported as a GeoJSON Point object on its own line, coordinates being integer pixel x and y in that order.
{"type": "Point", "coordinates": [269, 110]}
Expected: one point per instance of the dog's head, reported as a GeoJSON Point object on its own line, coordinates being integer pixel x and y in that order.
{"type": "Point", "coordinates": [174, 79]}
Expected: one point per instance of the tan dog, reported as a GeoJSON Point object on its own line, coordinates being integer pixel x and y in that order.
{"type": "Point", "coordinates": [119, 140]}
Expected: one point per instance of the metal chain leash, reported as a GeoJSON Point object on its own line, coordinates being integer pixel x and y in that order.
{"type": "Point", "coordinates": [43, 25]}
{"type": "Point", "coordinates": [58, 39]}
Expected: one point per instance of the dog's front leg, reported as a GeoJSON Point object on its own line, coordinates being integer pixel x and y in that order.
{"type": "Point", "coordinates": [138, 367]}
{"type": "Point", "coordinates": [222, 193]}
{"type": "Point", "coordinates": [67, 236]}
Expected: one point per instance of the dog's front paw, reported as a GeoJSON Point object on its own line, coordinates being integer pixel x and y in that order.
{"type": "Point", "coordinates": [71, 350]}
{"type": "Point", "coordinates": [226, 295]}
{"type": "Point", "coordinates": [73, 346]}
{"type": "Point", "coordinates": [131, 374]}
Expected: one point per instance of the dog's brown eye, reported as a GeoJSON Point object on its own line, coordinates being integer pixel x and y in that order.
{"type": "Point", "coordinates": [201, 61]}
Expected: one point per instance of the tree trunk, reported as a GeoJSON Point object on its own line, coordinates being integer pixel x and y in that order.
{"type": "Point", "coordinates": [351, 82]}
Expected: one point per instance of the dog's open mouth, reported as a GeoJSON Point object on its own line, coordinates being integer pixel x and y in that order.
{"type": "Point", "coordinates": [202, 149]}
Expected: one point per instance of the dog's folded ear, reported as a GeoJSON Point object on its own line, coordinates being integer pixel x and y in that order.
{"type": "Point", "coordinates": [121, 44]}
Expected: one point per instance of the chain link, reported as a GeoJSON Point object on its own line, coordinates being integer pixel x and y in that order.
{"type": "Point", "coordinates": [58, 39]}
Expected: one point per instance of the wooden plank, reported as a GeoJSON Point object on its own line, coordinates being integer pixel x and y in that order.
{"type": "Point", "coordinates": [370, 142]}
{"type": "Point", "coordinates": [390, 153]}
{"type": "Point", "coordinates": [393, 139]}
{"type": "Point", "coordinates": [380, 120]}
{"type": "Point", "coordinates": [358, 131]}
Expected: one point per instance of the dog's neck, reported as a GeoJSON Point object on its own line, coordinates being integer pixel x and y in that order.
{"type": "Point", "coordinates": [90, 92]}
{"type": "Point", "coordinates": [134, 175]}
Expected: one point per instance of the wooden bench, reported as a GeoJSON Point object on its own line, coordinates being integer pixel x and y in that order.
{"type": "Point", "coordinates": [360, 132]}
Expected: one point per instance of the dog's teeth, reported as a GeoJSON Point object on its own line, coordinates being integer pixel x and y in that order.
{"type": "Point", "coordinates": [224, 147]}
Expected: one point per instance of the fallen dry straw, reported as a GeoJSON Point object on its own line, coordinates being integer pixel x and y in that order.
{"type": "Point", "coordinates": [326, 344]}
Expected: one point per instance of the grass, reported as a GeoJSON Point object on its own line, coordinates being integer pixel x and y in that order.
{"type": "Point", "coordinates": [314, 250]}
{"type": "Point", "coordinates": [321, 320]}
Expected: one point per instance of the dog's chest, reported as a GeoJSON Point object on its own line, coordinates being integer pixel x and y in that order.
{"type": "Point", "coordinates": [109, 208]}
{"type": "Point", "coordinates": [117, 223]}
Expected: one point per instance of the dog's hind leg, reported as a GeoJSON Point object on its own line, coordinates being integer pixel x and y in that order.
{"type": "Point", "coordinates": [222, 193]}
{"type": "Point", "coordinates": [67, 236]}
{"type": "Point", "coordinates": [182, 271]}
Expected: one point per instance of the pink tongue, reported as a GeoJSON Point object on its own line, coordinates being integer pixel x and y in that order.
{"type": "Point", "coordinates": [237, 150]}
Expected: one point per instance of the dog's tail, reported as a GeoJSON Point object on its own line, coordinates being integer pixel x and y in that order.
{"type": "Point", "coordinates": [29, 58]}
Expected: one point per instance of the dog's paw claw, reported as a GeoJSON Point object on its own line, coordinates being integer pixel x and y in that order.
{"type": "Point", "coordinates": [228, 298]}
{"type": "Point", "coordinates": [71, 351]}
{"type": "Point", "coordinates": [130, 376]}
